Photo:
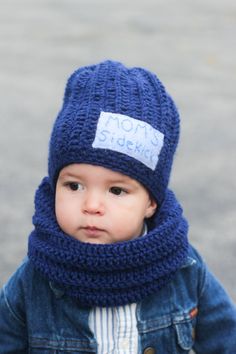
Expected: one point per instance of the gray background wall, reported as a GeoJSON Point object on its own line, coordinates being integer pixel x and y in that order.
{"type": "Point", "coordinates": [191, 47]}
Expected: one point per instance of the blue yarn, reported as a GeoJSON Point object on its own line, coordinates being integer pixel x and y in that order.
{"type": "Point", "coordinates": [112, 87]}
{"type": "Point", "coordinates": [125, 272]}
{"type": "Point", "coordinates": [112, 274]}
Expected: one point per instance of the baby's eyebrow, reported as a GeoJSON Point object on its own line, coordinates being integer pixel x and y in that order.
{"type": "Point", "coordinates": [69, 175]}
{"type": "Point", "coordinates": [118, 180]}
{"type": "Point", "coordinates": [122, 180]}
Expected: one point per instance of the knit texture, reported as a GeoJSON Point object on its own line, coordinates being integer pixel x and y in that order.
{"type": "Point", "coordinates": [111, 274]}
{"type": "Point", "coordinates": [112, 87]}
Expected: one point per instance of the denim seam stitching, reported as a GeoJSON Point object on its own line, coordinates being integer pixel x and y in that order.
{"type": "Point", "coordinates": [18, 318]}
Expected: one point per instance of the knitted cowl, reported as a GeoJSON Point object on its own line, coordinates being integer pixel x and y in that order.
{"type": "Point", "coordinates": [111, 274]}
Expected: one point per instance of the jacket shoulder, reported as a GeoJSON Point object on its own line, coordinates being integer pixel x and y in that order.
{"type": "Point", "coordinates": [194, 254]}
{"type": "Point", "coordinates": [194, 261]}
{"type": "Point", "coordinates": [24, 273]}
{"type": "Point", "coordinates": [192, 274]}
{"type": "Point", "coordinates": [15, 292]}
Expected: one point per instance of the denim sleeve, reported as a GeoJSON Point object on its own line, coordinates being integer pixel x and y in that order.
{"type": "Point", "coordinates": [13, 331]}
{"type": "Point", "coordinates": [216, 322]}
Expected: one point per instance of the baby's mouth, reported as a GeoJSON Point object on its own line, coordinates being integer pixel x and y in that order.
{"type": "Point", "coordinates": [92, 231]}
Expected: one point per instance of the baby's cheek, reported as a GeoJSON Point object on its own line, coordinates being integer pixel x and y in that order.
{"type": "Point", "coordinates": [63, 215]}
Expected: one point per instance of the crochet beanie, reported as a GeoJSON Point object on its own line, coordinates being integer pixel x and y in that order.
{"type": "Point", "coordinates": [119, 118]}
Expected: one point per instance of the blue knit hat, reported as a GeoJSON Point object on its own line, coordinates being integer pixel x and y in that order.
{"type": "Point", "coordinates": [119, 118]}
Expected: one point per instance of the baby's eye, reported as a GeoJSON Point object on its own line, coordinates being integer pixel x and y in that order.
{"type": "Point", "coordinates": [74, 186]}
{"type": "Point", "coordinates": [117, 190]}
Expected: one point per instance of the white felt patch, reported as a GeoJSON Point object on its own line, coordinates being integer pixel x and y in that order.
{"type": "Point", "coordinates": [129, 136]}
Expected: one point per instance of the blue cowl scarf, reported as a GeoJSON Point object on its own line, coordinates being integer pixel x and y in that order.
{"type": "Point", "coordinates": [112, 274]}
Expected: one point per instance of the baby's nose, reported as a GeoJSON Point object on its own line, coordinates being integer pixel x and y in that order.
{"type": "Point", "coordinates": [93, 203]}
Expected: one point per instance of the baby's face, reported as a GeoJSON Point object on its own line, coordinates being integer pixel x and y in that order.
{"type": "Point", "coordinates": [97, 205]}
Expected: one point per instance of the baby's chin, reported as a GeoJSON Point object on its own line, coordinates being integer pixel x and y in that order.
{"type": "Point", "coordinates": [93, 240]}
{"type": "Point", "coordinates": [97, 242]}
{"type": "Point", "coordinates": [102, 241]}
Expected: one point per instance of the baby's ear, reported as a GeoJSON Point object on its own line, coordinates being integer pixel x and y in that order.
{"type": "Point", "coordinates": [151, 208]}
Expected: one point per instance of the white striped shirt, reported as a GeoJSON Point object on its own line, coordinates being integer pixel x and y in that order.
{"type": "Point", "coordinates": [115, 329]}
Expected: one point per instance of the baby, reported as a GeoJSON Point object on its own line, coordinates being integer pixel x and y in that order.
{"type": "Point", "coordinates": [109, 266]}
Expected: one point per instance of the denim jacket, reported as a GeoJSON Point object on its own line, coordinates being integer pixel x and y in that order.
{"type": "Point", "coordinates": [193, 312]}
